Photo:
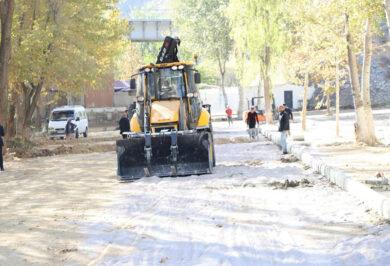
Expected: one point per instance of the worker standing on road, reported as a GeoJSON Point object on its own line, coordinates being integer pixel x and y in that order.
{"type": "Point", "coordinates": [69, 128]}
{"type": "Point", "coordinates": [1, 147]}
{"type": "Point", "coordinates": [229, 114]}
{"type": "Point", "coordinates": [289, 112]}
{"type": "Point", "coordinates": [284, 127]}
{"type": "Point", "coordinates": [251, 121]}
{"type": "Point", "coordinates": [124, 124]}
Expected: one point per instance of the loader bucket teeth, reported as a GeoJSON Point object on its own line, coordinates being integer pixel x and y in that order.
{"type": "Point", "coordinates": [177, 155]}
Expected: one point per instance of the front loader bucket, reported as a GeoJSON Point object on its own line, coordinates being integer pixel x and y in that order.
{"type": "Point", "coordinates": [165, 154]}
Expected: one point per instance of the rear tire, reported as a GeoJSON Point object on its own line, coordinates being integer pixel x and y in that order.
{"type": "Point", "coordinates": [76, 134]}
{"type": "Point", "coordinates": [85, 134]}
{"type": "Point", "coordinates": [210, 149]}
{"type": "Point", "coordinates": [212, 144]}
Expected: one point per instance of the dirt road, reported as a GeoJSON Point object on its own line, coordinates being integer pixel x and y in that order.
{"type": "Point", "coordinates": [71, 210]}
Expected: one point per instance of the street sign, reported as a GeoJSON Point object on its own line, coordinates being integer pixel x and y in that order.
{"type": "Point", "coordinates": [150, 30]}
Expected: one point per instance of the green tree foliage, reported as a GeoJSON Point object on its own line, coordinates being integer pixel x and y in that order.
{"type": "Point", "coordinates": [72, 45]}
{"type": "Point", "coordinates": [205, 31]}
{"type": "Point", "coordinates": [323, 44]}
{"type": "Point", "coordinates": [129, 62]}
{"type": "Point", "coordinates": [361, 17]}
{"type": "Point", "coordinates": [316, 47]}
{"type": "Point", "coordinates": [258, 32]}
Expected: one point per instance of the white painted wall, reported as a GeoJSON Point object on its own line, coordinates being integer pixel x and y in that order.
{"type": "Point", "coordinates": [214, 97]}
{"type": "Point", "coordinates": [297, 94]}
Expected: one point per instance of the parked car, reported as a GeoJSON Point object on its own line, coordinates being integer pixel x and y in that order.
{"type": "Point", "coordinates": [59, 117]}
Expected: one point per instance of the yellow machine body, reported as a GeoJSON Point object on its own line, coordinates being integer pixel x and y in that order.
{"type": "Point", "coordinates": [165, 112]}
{"type": "Point", "coordinates": [204, 119]}
{"type": "Point", "coordinates": [171, 130]}
{"type": "Point", "coordinates": [134, 124]}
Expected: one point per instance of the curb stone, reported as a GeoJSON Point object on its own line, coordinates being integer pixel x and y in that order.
{"type": "Point", "coordinates": [373, 199]}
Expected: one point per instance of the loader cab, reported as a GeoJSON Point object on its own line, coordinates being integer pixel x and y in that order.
{"type": "Point", "coordinates": [163, 83]}
{"type": "Point", "coordinates": [168, 95]}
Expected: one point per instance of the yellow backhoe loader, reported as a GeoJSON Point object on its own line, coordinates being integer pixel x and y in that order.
{"type": "Point", "coordinates": [171, 132]}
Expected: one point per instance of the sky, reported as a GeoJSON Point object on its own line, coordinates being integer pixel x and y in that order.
{"type": "Point", "coordinates": [129, 8]}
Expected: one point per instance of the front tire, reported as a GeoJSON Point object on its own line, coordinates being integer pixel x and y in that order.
{"type": "Point", "coordinates": [85, 134]}
{"type": "Point", "coordinates": [76, 135]}
{"type": "Point", "coordinates": [211, 155]}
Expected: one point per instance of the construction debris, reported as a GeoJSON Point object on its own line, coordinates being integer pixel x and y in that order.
{"type": "Point", "coordinates": [380, 185]}
{"type": "Point", "coordinates": [289, 159]}
{"type": "Point", "coordinates": [304, 182]}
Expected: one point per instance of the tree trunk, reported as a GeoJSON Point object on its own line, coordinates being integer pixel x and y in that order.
{"type": "Point", "coordinates": [11, 115]}
{"type": "Point", "coordinates": [363, 131]}
{"type": "Point", "coordinates": [386, 6]}
{"type": "Point", "coordinates": [225, 98]}
{"type": "Point", "coordinates": [366, 78]}
{"type": "Point", "coordinates": [304, 102]}
{"type": "Point", "coordinates": [38, 116]}
{"type": "Point", "coordinates": [222, 69]}
{"type": "Point", "coordinates": [6, 15]}
{"type": "Point", "coordinates": [337, 100]}
{"type": "Point", "coordinates": [267, 100]}
{"type": "Point", "coordinates": [366, 71]}
{"type": "Point", "coordinates": [267, 85]}
{"type": "Point", "coordinates": [31, 93]}
{"type": "Point", "coordinates": [241, 101]}
{"type": "Point", "coordinates": [328, 111]}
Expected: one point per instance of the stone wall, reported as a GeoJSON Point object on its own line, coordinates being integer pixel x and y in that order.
{"type": "Point", "coordinates": [124, 99]}
{"type": "Point", "coordinates": [104, 117]}
{"type": "Point", "coordinates": [380, 81]}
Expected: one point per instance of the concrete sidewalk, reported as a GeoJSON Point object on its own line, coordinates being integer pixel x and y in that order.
{"type": "Point", "coordinates": [360, 161]}
{"type": "Point", "coordinates": [335, 163]}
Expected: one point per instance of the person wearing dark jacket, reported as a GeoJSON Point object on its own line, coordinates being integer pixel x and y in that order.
{"type": "Point", "coordinates": [289, 112]}
{"type": "Point", "coordinates": [124, 124]}
{"type": "Point", "coordinates": [284, 127]}
{"type": "Point", "coordinates": [251, 121]}
{"type": "Point", "coordinates": [69, 128]}
{"type": "Point", "coordinates": [1, 147]}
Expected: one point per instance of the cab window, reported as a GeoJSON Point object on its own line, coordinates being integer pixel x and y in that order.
{"type": "Point", "coordinates": [170, 84]}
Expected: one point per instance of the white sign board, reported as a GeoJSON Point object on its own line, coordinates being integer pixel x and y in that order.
{"type": "Point", "coordinates": [150, 30]}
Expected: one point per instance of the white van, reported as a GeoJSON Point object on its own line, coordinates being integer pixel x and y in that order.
{"type": "Point", "coordinates": [60, 116]}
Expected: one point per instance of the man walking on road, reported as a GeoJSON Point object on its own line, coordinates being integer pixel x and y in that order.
{"type": "Point", "coordinates": [1, 147]}
{"type": "Point", "coordinates": [251, 121]}
{"type": "Point", "coordinates": [229, 114]}
{"type": "Point", "coordinates": [124, 124]}
{"type": "Point", "coordinates": [284, 127]}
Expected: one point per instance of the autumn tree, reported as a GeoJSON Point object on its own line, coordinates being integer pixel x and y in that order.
{"type": "Point", "coordinates": [204, 29]}
{"type": "Point", "coordinates": [72, 45]}
{"type": "Point", "coordinates": [260, 25]}
{"type": "Point", "coordinates": [317, 49]}
{"type": "Point", "coordinates": [6, 17]}
{"type": "Point", "coordinates": [361, 19]}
